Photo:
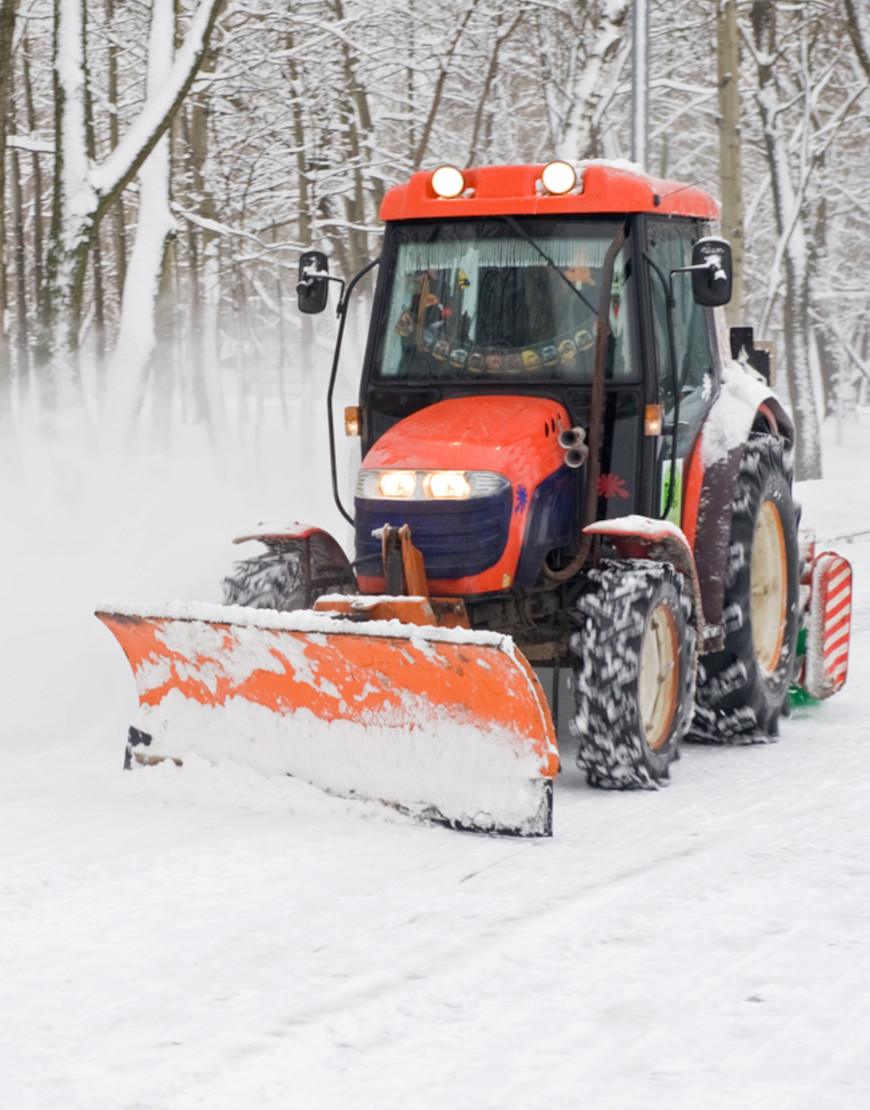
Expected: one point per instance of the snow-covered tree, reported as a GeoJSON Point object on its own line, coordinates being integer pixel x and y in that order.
{"type": "Point", "coordinates": [805, 99]}
{"type": "Point", "coordinates": [136, 335]}
{"type": "Point", "coordinates": [7, 30]}
{"type": "Point", "coordinates": [83, 191]}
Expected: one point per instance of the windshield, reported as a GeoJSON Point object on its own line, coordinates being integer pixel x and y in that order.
{"type": "Point", "coordinates": [471, 299]}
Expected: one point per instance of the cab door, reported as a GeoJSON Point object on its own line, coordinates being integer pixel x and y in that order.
{"type": "Point", "coordinates": [693, 381]}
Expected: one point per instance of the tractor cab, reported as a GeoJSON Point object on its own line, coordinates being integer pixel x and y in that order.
{"type": "Point", "coordinates": [496, 298]}
{"type": "Point", "coordinates": [510, 305]}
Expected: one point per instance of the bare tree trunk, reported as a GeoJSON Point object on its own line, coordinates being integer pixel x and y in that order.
{"type": "Point", "coordinates": [296, 101]}
{"type": "Point", "coordinates": [96, 254]}
{"type": "Point", "coordinates": [858, 22]}
{"type": "Point", "coordinates": [119, 242]}
{"type": "Point", "coordinates": [794, 247]}
{"type": "Point", "coordinates": [22, 352]}
{"type": "Point", "coordinates": [136, 334]}
{"type": "Point", "coordinates": [164, 362]}
{"type": "Point", "coordinates": [7, 29]}
{"type": "Point", "coordinates": [70, 234]}
{"type": "Point", "coordinates": [420, 152]}
{"type": "Point", "coordinates": [357, 126]}
{"type": "Point", "coordinates": [36, 173]}
{"type": "Point", "coordinates": [730, 156]}
{"type": "Point", "coordinates": [492, 69]}
{"type": "Point", "coordinates": [204, 337]}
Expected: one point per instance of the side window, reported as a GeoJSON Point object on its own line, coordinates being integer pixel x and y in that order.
{"type": "Point", "coordinates": [669, 244]}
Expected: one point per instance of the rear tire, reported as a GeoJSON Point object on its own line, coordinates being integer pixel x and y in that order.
{"type": "Point", "coordinates": [742, 690]}
{"type": "Point", "coordinates": [634, 681]}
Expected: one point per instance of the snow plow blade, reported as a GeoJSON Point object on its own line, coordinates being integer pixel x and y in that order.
{"type": "Point", "coordinates": [449, 725]}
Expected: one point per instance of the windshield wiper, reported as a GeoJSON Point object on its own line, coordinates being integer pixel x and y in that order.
{"type": "Point", "coordinates": [512, 223]}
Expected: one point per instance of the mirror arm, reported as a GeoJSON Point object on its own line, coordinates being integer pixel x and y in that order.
{"type": "Point", "coordinates": [312, 276]}
{"type": "Point", "coordinates": [710, 267]}
{"type": "Point", "coordinates": [342, 316]}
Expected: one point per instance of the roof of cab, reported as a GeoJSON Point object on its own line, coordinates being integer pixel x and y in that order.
{"type": "Point", "coordinates": [605, 188]}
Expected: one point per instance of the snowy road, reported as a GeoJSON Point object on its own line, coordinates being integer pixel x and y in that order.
{"type": "Point", "coordinates": [208, 938]}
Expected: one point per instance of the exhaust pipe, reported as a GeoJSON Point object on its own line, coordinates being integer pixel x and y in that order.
{"type": "Point", "coordinates": [574, 442]}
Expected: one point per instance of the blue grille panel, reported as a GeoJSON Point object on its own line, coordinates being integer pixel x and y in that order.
{"type": "Point", "coordinates": [457, 538]}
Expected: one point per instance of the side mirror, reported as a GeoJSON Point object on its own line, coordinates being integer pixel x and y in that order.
{"type": "Point", "coordinates": [711, 272]}
{"type": "Point", "coordinates": [313, 287]}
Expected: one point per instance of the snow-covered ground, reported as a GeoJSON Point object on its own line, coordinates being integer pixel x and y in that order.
{"type": "Point", "coordinates": [209, 938]}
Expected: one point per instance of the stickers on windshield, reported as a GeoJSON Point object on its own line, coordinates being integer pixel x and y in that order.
{"type": "Point", "coordinates": [560, 355]}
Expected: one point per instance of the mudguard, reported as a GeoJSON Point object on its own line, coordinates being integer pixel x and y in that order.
{"type": "Point", "coordinates": [641, 537]}
{"type": "Point", "coordinates": [446, 723]}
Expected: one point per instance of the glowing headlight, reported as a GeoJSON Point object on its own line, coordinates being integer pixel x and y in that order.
{"type": "Point", "coordinates": [447, 484]}
{"type": "Point", "coordinates": [447, 181]}
{"type": "Point", "coordinates": [397, 483]}
{"type": "Point", "coordinates": [429, 485]}
{"type": "Point", "coordinates": [559, 178]}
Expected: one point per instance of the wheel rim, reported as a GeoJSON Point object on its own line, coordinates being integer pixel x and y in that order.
{"type": "Point", "coordinates": [768, 588]}
{"type": "Point", "coordinates": [659, 675]}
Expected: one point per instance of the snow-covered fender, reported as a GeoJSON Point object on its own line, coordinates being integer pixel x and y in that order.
{"type": "Point", "coordinates": [641, 537]}
{"type": "Point", "coordinates": [319, 558]}
{"type": "Point", "coordinates": [745, 404]}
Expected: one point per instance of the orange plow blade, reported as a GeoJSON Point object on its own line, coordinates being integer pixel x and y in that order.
{"type": "Point", "coordinates": [448, 724]}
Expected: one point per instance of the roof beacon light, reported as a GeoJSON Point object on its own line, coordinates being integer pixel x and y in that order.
{"type": "Point", "coordinates": [447, 181]}
{"type": "Point", "coordinates": [559, 178]}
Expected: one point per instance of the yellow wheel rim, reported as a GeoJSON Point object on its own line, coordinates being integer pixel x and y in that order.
{"type": "Point", "coordinates": [768, 588]}
{"type": "Point", "coordinates": [659, 676]}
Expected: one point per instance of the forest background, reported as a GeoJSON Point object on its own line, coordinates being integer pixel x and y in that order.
{"type": "Point", "coordinates": [165, 162]}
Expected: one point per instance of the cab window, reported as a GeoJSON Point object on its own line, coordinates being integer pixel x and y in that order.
{"type": "Point", "coordinates": [669, 244]}
{"type": "Point", "coordinates": [474, 300]}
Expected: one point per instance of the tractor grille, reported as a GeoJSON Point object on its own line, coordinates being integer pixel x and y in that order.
{"type": "Point", "coordinates": [457, 538]}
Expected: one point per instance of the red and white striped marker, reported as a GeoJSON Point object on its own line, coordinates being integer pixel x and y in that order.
{"type": "Point", "coordinates": [830, 624]}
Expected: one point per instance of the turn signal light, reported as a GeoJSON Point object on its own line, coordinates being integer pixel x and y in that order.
{"type": "Point", "coordinates": [448, 181]}
{"type": "Point", "coordinates": [351, 420]}
{"type": "Point", "coordinates": [652, 420]}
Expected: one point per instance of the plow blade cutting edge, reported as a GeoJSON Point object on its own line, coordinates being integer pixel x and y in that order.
{"type": "Point", "coordinates": [447, 724]}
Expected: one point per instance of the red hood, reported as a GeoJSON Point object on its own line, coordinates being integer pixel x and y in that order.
{"type": "Point", "coordinates": [513, 436]}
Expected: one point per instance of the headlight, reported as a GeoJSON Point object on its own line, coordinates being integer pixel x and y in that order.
{"type": "Point", "coordinates": [447, 483]}
{"type": "Point", "coordinates": [429, 485]}
{"type": "Point", "coordinates": [397, 483]}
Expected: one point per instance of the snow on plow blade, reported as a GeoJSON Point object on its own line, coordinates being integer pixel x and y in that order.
{"type": "Point", "coordinates": [447, 724]}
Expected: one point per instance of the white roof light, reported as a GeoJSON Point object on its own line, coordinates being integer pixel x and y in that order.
{"type": "Point", "coordinates": [447, 181]}
{"type": "Point", "coordinates": [559, 178]}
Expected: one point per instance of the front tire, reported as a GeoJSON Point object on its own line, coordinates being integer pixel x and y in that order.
{"type": "Point", "coordinates": [274, 579]}
{"type": "Point", "coordinates": [634, 680]}
{"type": "Point", "coordinates": [742, 690]}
